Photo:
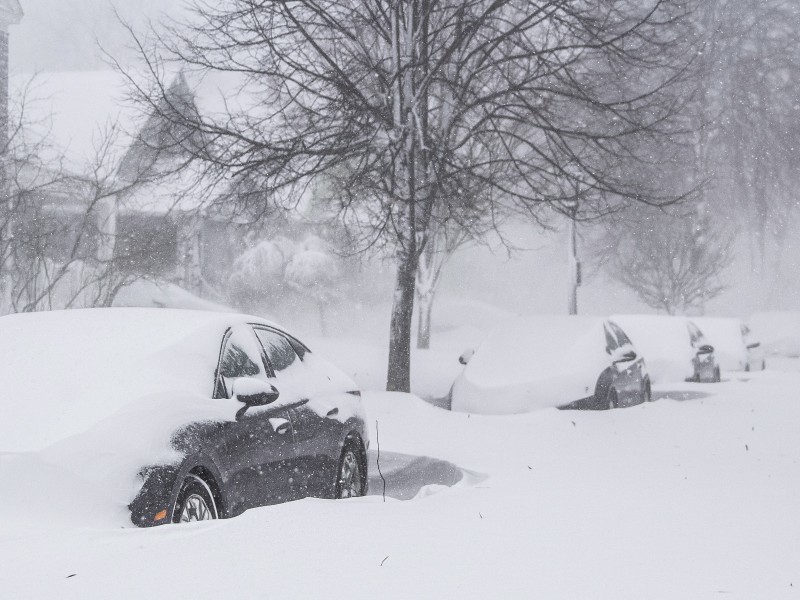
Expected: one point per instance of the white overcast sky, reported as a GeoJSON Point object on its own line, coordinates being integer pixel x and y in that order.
{"type": "Point", "coordinates": [59, 35]}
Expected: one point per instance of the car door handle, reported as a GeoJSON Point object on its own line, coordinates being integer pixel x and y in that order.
{"type": "Point", "coordinates": [332, 412]}
{"type": "Point", "coordinates": [280, 425]}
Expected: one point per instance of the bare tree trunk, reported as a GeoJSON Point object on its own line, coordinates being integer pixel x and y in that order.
{"type": "Point", "coordinates": [425, 307]}
{"type": "Point", "coordinates": [399, 369]}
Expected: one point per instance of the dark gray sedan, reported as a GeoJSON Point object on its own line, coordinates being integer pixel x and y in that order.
{"type": "Point", "coordinates": [180, 415]}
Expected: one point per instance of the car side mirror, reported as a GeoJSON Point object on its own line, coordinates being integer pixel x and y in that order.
{"type": "Point", "coordinates": [705, 349]}
{"type": "Point", "coordinates": [621, 356]}
{"type": "Point", "coordinates": [466, 356]}
{"type": "Point", "coordinates": [254, 392]}
{"type": "Point", "coordinates": [753, 345]}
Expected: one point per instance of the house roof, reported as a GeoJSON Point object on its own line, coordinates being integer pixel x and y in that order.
{"type": "Point", "coordinates": [76, 111]}
{"type": "Point", "coordinates": [88, 119]}
{"type": "Point", "coordinates": [71, 116]}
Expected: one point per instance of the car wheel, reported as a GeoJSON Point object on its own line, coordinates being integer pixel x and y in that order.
{"type": "Point", "coordinates": [717, 375]}
{"type": "Point", "coordinates": [195, 502]}
{"type": "Point", "coordinates": [612, 399]}
{"type": "Point", "coordinates": [648, 392]}
{"type": "Point", "coordinates": [349, 479]}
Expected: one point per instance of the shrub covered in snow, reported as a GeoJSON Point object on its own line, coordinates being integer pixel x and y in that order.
{"type": "Point", "coordinates": [279, 272]}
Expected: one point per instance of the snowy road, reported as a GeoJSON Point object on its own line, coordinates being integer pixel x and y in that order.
{"type": "Point", "coordinates": [693, 496]}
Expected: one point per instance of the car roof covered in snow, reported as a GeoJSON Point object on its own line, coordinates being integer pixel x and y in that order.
{"type": "Point", "coordinates": [537, 344]}
{"type": "Point", "coordinates": [725, 334]}
{"type": "Point", "coordinates": [716, 327]}
{"type": "Point", "coordinates": [664, 342]}
{"type": "Point", "coordinates": [62, 371]}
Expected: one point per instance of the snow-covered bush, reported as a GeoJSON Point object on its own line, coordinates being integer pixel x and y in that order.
{"type": "Point", "coordinates": [280, 273]}
{"type": "Point", "coordinates": [257, 274]}
{"type": "Point", "coordinates": [314, 274]}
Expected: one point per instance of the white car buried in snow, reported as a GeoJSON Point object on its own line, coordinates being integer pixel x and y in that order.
{"type": "Point", "coordinates": [674, 347]}
{"type": "Point", "coordinates": [734, 345]}
{"type": "Point", "coordinates": [551, 361]}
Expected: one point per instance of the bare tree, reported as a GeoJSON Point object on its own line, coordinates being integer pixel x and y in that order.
{"type": "Point", "coordinates": [440, 246]}
{"type": "Point", "coordinates": [673, 262]}
{"type": "Point", "coordinates": [747, 88]}
{"type": "Point", "coordinates": [402, 105]}
{"type": "Point", "coordinates": [58, 227]}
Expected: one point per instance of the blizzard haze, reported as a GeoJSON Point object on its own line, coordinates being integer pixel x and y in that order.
{"type": "Point", "coordinates": [456, 299]}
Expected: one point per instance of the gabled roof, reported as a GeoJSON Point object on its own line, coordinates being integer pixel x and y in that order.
{"type": "Point", "coordinates": [10, 12]}
{"type": "Point", "coordinates": [86, 117]}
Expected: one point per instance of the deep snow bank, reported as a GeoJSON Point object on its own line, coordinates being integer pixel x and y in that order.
{"type": "Point", "coordinates": [675, 499]}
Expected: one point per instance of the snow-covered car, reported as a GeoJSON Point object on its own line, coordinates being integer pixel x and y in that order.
{"type": "Point", "coordinates": [551, 361]}
{"type": "Point", "coordinates": [777, 331]}
{"type": "Point", "coordinates": [179, 415]}
{"type": "Point", "coordinates": [734, 344]}
{"type": "Point", "coordinates": [674, 347]}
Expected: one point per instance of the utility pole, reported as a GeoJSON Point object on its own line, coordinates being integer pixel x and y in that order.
{"type": "Point", "coordinates": [573, 265]}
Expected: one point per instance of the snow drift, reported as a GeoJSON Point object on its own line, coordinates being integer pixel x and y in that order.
{"type": "Point", "coordinates": [533, 363]}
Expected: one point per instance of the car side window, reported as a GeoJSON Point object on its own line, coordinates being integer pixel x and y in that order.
{"type": "Point", "coordinates": [279, 351]}
{"type": "Point", "coordinates": [241, 357]}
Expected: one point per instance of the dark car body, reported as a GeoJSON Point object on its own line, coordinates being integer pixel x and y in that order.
{"type": "Point", "coordinates": [626, 377]}
{"type": "Point", "coordinates": [144, 404]}
{"type": "Point", "coordinates": [268, 454]}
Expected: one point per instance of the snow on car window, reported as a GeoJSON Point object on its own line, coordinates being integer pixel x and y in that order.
{"type": "Point", "coordinates": [279, 351]}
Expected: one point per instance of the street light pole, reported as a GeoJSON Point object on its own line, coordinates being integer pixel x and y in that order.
{"type": "Point", "coordinates": [573, 266]}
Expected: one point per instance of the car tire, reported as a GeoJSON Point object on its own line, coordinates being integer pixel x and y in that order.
{"type": "Point", "coordinates": [648, 392]}
{"type": "Point", "coordinates": [350, 475]}
{"type": "Point", "coordinates": [717, 375]}
{"type": "Point", "coordinates": [612, 399]}
{"type": "Point", "coordinates": [195, 502]}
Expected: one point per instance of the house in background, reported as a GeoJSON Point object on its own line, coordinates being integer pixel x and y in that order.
{"type": "Point", "coordinates": [98, 180]}
{"type": "Point", "coordinates": [150, 219]}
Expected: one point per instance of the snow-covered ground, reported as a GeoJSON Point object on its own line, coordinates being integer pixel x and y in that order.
{"type": "Point", "coordinates": [693, 496]}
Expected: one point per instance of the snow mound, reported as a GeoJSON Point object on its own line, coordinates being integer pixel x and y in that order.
{"type": "Point", "coordinates": [155, 294]}
{"type": "Point", "coordinates": [65, 371]}
{"type": "Point", "coordinates": [532, 363]}
{"type": "Point", "coordinates": [779, 332]}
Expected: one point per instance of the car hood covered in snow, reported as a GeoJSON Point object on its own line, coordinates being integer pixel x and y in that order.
{"type": "Point", "coordinates": [532, 363]}
{"type": "Point", "coordinates": [64, 371]}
